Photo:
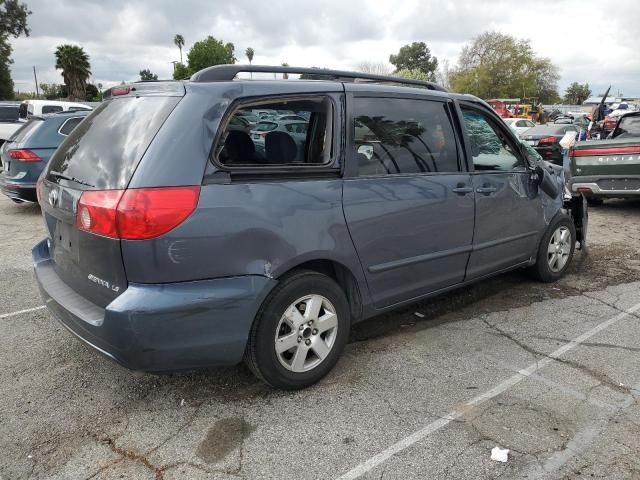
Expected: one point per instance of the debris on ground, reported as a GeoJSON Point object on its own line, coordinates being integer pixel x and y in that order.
{"type": "Point", "coordinates": [500, 454]}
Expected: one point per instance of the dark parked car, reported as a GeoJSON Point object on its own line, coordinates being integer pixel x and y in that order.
{"type": "Point", "coordinates": [609, 168]}
{"type": "Point", "coordinates": [172, 245]}
{"type": "Point", "coordinates": [26, 153]}
{"type": "Point", "coordinates": [546, 140]}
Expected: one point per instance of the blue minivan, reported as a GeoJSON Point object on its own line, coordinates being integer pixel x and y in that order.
{"type": "Point", "coordinates": [28, 150]}
{"type": "Point", "coordinates": [176, 240]}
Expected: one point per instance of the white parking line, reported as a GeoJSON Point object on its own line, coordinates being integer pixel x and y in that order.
{"type": "Point", "coordinates": [12, 314]}
{"type": "Point", "coordinates": [421, 434]}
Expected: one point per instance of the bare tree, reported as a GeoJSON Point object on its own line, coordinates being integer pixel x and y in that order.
{"type": "Point", "coordinates": [375, 68]}
{"type": "Point", "coordinates": [443, 73]}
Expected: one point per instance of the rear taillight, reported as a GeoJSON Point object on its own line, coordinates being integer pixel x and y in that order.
{"type": "Point", "coordinates": [584, 189]}
{"type": "Point", "coordinates": [547, 140]}
{"type": "Point", "coordinates": [23, 155]}
{"type": "Point", "coordinates": [135, 214]}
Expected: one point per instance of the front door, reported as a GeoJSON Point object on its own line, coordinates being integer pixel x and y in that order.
{"type": "Point", "coordinates": [408, 203]}
{"type": "Point", "coordinates": [509, 210]}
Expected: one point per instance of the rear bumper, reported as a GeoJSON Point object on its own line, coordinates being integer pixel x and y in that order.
{"type": "Point", "coordinates": [161, 327]}
{"type": "Point", "coordinates": [616, 185]}
{"type": "Point", "coordinates": [25, 192]}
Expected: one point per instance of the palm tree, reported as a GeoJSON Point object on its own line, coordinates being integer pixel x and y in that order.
{"type": "Point", "coordinates": [249, 53]}
{"type": "Point", "coordinates": [178, 40]}
{"type": "Point", "coordinates": [76, 69]}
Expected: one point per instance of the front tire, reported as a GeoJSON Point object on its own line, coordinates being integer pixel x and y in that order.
{"type": "Point", "coordinates": [556, 249]}
{"type": "Point", "coordinates": [299, 332]}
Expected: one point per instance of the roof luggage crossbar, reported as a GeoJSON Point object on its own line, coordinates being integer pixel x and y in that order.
{"type": "Point", "coordinates": [222, 73]}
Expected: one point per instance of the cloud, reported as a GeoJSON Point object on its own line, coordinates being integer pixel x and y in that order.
{"type": "Point", "coordinates": [122, 38]}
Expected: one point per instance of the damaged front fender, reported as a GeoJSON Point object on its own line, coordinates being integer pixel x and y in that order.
{"type": "Point", "coordinates": [555, 196]}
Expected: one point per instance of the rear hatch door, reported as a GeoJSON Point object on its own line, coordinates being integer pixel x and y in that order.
{"type": "Point", "coordinates": [101, 154]}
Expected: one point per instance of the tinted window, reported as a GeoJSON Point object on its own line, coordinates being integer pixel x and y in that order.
{"type": "Point", "coordinates": [68, 126]}
{"type": "Point", "coordinates": [9, 113]}
{"type": "Point", "coordinates": [629, 127]}
{"type": "Point", "coordinates": [51, 109]}
{"type": "Point", "coordinates": [395, 136]}
{"type": "Point", "coordinates": [489, 147]}
{"type": "Point", "coordinates": [23, 110]}
{"type": "Point", "coordinates": [105, 148]}
{"type": "Point", "coordinates": [277, 141]}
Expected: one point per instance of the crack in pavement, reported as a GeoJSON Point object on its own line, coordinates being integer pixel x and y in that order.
{"type": "Point", "coordinates": [598, 376]}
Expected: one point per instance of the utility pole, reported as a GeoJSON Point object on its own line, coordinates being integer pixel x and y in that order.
{"type": "Point", "coordinates": [35, 76]}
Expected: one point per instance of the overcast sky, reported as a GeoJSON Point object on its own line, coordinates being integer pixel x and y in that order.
{"type": "Point", "coordinates": [587, 40]}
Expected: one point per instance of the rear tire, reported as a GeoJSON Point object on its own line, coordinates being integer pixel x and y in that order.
{"type": "Point", "coordinates": [556, 249]}
{"type": "Point", "coordinates": [299, 332]}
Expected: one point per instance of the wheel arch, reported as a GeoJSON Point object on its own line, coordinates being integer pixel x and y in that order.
{"type": "Point", "coordinates": [338, 272]}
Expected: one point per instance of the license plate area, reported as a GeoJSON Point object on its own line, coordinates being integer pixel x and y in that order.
{"type": "Point", "coordinates": [629, 184]}
{"type": "Point", "coordinates": [533, 143]}
{"type": "Point", "coordinates": [64, 240]}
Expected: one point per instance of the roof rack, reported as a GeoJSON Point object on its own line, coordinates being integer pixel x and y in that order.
{"type": "Point", "coordinates": [222, 73]}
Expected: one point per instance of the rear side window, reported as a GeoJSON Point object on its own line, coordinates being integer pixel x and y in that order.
{"type": "Point", "coordinates": [489, 147]}
{"type": "Point", "coordinates": [399, 136]}
{"type": "Point", "coordinates": [273, 141]}
{"type": "Point", "coordinates": [9, 113]}
{"type": "Point", "coordinates": [23, 110]}
{"type": "Point", "coordinates": [104, 150]}
{"type": "Point", "coordinates": [51, 109]}
{"type": "Point", "coordinates": [68, 126]}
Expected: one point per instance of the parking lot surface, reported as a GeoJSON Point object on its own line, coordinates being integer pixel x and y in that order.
{"type": "Point", "coordinates": [550, 372]}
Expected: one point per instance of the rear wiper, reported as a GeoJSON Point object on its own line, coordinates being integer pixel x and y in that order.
{"type": "Point", "coordinates": [55, 174]}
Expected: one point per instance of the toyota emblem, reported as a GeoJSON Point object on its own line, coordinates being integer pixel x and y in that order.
{"type": "Point", "coordinates": [53, 197]}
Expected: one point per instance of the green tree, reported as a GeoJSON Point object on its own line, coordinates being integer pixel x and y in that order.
{"type": "Point", "coordinates": [209, 52]}
{"type": "Point", "coordinates": [181, 72]}
{"type": "Point", "coordinates": [13, 22]}
{"type": "Point", "coordinates": [577, 93]}
{"type": "Point", "coordinates": [415, 56]}
{"type": "Point", "coordinates": [76, 69]}
{"type": "Point", "coordinates": [413, 74]}
{"type": "Point", "coordinates": [178, 41]}
{"type": "Point", "coordinates": [146, 75]}
{"type": "Point", "coordinates": [52, 91]}
{"type": "Point", "coordinates": [93, 94]}
{"type": "Point", "coordinates": [249, 52]}
{"type": "Point", "coordinates": [496, 65]}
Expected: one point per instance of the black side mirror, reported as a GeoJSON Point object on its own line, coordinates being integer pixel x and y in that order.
{"type": "Point", "coordinates": [546, 182]}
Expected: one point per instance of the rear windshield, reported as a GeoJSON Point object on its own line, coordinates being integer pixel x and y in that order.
{"type": "Point", "coordinates": [9, 113]}
{"type": "Point", "coordinates": [629, 127]}
{"type": "Point", "coordinates": [105, 148]}
{"type": "Point", "coordinates": [26, 131]}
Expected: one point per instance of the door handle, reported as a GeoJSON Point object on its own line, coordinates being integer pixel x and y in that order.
{"type": "Point", "coordinates": [486, 190]}
{"type": "Point", "coordinates": [462, 190]}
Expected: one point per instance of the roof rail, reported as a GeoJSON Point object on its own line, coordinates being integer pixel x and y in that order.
{"type": "Point", "coordinates": [221, 73]}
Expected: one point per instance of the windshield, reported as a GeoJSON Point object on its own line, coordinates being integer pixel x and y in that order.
{"type": "Point", "coordinates": [26, 131]}
{"type": "Point", "coordinates": [105, 148]}
{"type": "Point", "coordinates": [628, 127]}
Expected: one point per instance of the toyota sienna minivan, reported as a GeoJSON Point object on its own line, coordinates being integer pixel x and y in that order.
{"type": "Point", "coordinates": [176, 240]}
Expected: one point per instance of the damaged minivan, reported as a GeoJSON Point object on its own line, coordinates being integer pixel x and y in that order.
{"type": "Point", "coordinates": [178, 240]}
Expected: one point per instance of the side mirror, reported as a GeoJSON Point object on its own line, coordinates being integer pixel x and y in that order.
{"type": "Point", "coordinates": [547, 182]}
